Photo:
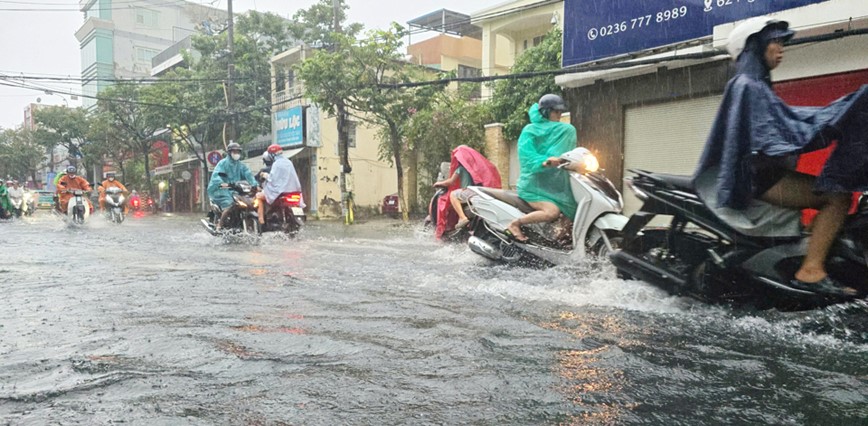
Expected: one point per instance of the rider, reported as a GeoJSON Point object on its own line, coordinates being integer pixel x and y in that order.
{"type": "Point", "coordinates": [233, 170]}
{"type": "Point", "coordinates": [70, 182]}
{"type": "Point", "coordinates": [756, 139]}
{"type": "Point", "coordinates": [541, 184]}
{"type": "Point", "coordinates": [109, 182]}
{"type": "Point", "coordinates": [280, 179]}
{"type": "Point", "coordinates": [15, 192]}
{"type": "Point", "coordinates": [5, 204]}
{"type": "Point", "coordinates": [468, 168]}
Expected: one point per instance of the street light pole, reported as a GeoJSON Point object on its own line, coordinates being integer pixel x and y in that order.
{"type": "Point", "coordinates": [228, 126]}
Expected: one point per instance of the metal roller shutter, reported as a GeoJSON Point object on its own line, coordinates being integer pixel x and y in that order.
{"type": "Point", "coordinates": [666, 138]}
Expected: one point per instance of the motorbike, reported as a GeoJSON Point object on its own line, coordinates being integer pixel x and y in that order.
{"type": "Point", "coordinates": [19, 207]}
{"type": "Point", "coordinates": [78, 210]}
{"type": "Point", "coordinates": [29, 203]}
{"type": "Point", "coordinates": [726, 256]}
{"type": "Point", "coordinates": [115, 203]}
{"type": "Point", "coordinates": [596, 228]}
{"type": "Point", "coordinates": [284, 214]}
{"type": "Point", "coordinates": [243, 216]}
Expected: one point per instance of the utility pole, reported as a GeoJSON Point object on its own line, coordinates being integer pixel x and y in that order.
{"type": "Point", "coordinates": [228, 125]}
{"type": "Point", "coordinates": [343, 136]}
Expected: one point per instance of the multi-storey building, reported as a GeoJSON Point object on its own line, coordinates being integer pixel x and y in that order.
{"type": "Point", "coordinates": [118, 39]}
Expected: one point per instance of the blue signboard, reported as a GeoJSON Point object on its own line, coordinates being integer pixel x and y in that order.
{"type": "Point", "coordinates": [289, 127]}
{"type": "Point", "coordinates": [595, 29]}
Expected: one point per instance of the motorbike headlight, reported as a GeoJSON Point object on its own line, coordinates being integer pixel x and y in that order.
{"type": "Point", "coordinates": [242, 204]}
{"type": "Point", "coordinates": [590, 163]}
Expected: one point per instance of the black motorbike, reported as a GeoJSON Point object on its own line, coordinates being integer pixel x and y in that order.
{"type": "Point", "coordinates": [744, 258]}
{"type": "Point", "coordinates": [285, 214]}
{"type": "Point", "coordinates": [242, 217]}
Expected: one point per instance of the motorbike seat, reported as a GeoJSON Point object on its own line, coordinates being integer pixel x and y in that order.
{"type": "Point", "coordinates": [677, 181]}
{"type": "Point", "coordinates": [509, 197]}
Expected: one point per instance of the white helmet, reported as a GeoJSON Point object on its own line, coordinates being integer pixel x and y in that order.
{"type": "Point", "coordinates": [739, 35]}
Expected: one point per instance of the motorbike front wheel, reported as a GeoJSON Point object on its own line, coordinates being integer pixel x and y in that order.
{"type": "Point", "coordinates": [250, 225]}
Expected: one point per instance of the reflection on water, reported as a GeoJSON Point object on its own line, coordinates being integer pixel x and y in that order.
{"type": "Point", "coordinates": [157, 322]}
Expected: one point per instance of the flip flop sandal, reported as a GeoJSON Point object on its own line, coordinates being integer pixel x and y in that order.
{"type": "Point", "coordinates": [826, 286]}
{"type": "Point", "coordinates": [509, 233]}
{"type": "Point", "coordinates": [461, 224]}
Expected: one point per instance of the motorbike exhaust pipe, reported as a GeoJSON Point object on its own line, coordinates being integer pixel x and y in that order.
{"type": "Point", "coordinates": [484, 249]}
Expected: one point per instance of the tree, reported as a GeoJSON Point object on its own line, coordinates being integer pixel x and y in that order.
{"type": "Point", "coordinates": [134, 110]}
{"type": "Point", "coordinates": [315, 25]}
{"type": "Point", "coordinates": [20, 154]}
{"type": "Point", "coordinates": [357, 75]}
{"type": "Point", "coordinates": [513, 97]}
{"type": "Point", "coordinates": [258, 37]}
{"type": "Point", "coordinates": [450, 120]}
{"type": "Point", "coordinates": [105, 142]}
{"type": "Point", "coordinates": [61, 126]}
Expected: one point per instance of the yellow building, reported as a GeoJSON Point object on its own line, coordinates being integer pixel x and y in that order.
{"type": "Point", "coordinates": [315, 152]}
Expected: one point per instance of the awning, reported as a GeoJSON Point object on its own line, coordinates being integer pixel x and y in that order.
{"type": "Point", "coordinates": [587, 78]}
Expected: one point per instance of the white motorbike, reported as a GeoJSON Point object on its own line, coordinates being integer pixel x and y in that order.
{"type": "Point", "coordinates": [19, 207]}
{"type": "Point", "coordinates": [29, 203]}
{"type": "Point", "coordinates": [115, 202]}
{"type": "Point", "coordinates": [78, 209]}
{"type": "Point", "coordinates": [596, 228]}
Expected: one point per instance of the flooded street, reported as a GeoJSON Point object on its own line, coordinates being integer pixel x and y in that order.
{"type": "Point", "coordinates": [157, 322]}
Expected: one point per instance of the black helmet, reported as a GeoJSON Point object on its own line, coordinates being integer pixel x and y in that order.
{"type": "Point", "coordinates": [268, 158]}
{"type": "Point", "coordinates": [70, 170]}
{"type": "Point", "coordinates": [233, 147]}
{"type": "Point", "coordinates": [109, 175]}
{"type": "Point", "coordinates": [551, 102]}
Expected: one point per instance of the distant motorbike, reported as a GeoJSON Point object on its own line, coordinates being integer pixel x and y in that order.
{"type": "Point", "coordinates": [79, 208]}
{"type": "Point", "coordinates": [285, 214]}
{"type": "Point", "coordinates": [19, 207]}
{"type": "Point", "coordinates": [29, 203]}
{"type": "Point", "coordinates": [596, 229]}
{"type": "Point", "coordinates": [739, 257]}
{"type": "Point", "coordinates": [115, 203]}
{"type": "Point", "coordinates": [242, 218]}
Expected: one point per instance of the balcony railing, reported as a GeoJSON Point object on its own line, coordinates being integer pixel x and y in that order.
{"type": "Point", "coordinates": [288, 98]}
{"type": "Point", "coordinates": [171, 51]}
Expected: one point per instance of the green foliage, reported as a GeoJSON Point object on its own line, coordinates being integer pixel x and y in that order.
{"type": "Point", "coordinates": [513, 97]}
{"type": "Point", "coordinates": [315, 25]}
{"type": "Point", "coordinates": [20, 154]}
{"type": "Point", "coordinates": [433, 132]}
{"type": "Point", "coordinates": [258, 37]}
{"type": "Point", "coordinates": [61, 126]}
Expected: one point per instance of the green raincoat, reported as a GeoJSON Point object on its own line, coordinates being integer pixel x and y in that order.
{"type": "Point", "coordinates": [5, 204]}
{"type": "Point", "coordinates": [540, 140]}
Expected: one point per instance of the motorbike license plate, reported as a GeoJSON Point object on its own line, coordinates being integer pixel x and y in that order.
{"type": "Point", "coordinates": [297, 211]}
{"type": "Point", "coordinates": [390, 202]}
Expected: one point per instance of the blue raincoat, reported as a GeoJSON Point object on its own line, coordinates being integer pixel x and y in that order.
{"type": "Point", "coordinates": [540, 140]}
{"type": "Point", "coordinates": [235, 171]}
{"type": "Point", "coordinates": [282, 178]}
{"type": "Point", "coordinates": [753, 120]}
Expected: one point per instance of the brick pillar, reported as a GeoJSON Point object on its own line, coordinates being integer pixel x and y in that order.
{"type": "Point", "coordinates": [497, 151]}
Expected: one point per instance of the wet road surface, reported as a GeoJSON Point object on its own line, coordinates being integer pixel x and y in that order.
{"type": "Point", "coordinates": [156, 322]}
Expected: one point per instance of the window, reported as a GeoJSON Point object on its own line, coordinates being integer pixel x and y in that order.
{"type": "Point", "coordinates": [147, 18]}
{"type": "Point", "coordinates": [537, 40]}
{"type": "Point", "coordinates": [145, 55]}
{"type": "Point", "coordinates": [466, 72]}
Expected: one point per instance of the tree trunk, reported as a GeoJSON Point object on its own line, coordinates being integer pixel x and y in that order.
{"type": "Point", "coordinates": [147, 153]}
{"type": "Point", "coordinates": [395, 139]}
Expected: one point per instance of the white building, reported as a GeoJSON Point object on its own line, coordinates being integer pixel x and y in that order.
{"type": "Point", "coordinates": [118, 39]}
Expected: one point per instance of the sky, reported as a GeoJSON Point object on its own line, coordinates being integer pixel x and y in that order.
{"type": "Point", "coordinates": [44, 42]}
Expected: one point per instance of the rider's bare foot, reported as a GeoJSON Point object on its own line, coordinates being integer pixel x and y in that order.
{"type": "Point", "coordinates": [514, 229]}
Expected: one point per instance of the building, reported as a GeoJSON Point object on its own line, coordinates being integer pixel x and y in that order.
{"type": "Point", "coordinates": [457, 48]}
{"type": "Point", "coordinates": [310, 139]}
{"type": "Point", "coordinates": [119, 39]}
{"type": "Point", "coordinates": [657, 114]}
{"type": "Point", "coordinates": [508, 29]}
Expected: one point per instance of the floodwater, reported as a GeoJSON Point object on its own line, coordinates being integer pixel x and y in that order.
{"type": "Point", "coordinates": [157, 322]}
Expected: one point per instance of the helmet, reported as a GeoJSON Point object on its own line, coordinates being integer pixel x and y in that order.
{"type": "Point", "coordinates": [551, 102]}
{"type": "Point", "coordinates": [70, 170]}
{"type": "Point", "coordinates": [274, 149]}
{"type": "Point", "coordinates": [233, 147]}
{"type": "Point", "coordinates": [109, 175]}
{"type": "Point", "coordinates": [740, 34]}
{"type": "Point", "coordinates": [267, 158]}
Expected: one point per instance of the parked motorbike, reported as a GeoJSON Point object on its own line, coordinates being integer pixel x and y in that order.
{"type": "Point", "coordinates": [596, 228]}
{"type": "Point", "coordinates": [78, 210]}
{"type": "Point", "coordinates": [721, 255]}
{"type": "Point", "coordinates": [242, 217]}
{"type": "Point", "coordinates": [285, 214]}
{"type": "Point", "coordinates": [115, 203]}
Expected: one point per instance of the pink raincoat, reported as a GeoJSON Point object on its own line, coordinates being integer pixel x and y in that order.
{"type": "Point", "coordinates": [484, 174]}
